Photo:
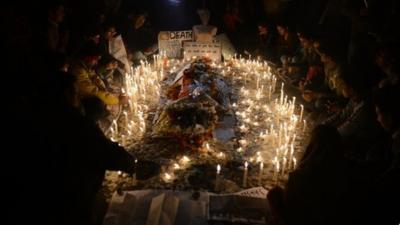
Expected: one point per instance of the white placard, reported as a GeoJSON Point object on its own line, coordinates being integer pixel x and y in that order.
{"type": "Point", "coordinates": [163, 209]}
{"type": "Point", "coordinates": [170, 42]}
{"type": "Point", "coordinates": [198, 49]}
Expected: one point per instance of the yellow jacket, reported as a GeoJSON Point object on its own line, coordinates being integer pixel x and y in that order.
{"type": "Point", "coordinates": [89, 84]}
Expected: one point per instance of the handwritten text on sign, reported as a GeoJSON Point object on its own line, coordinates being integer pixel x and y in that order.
{"type": "Point", "coordinates": [170, 42]}
{"type": "Point", "coordinates": [197, 49]}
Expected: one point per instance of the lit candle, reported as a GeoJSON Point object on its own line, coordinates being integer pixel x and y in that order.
{"type": "Point", "coordinates": [281, 97]}
{"type": "Point", "coordinates": [301, 112]}
{"type": "Point", "coordinates": [284, 165]}
{"type": "Point", "coordinates": [115, 125]}
{"type": "Point", "coordinates": [185, 160]}
{"type": "Point", "coordinates": [167, 177]}
{"type": "Point", "coordinates": [217, 180]}
{"type": "Point", "coordinates": [207, 147]}
{"type": "Point", "coordinates": [305, 125]}
{"type": "Point", "coordinates": [261, 173]}
{"type": "Point", "coordinates": [177, 166]}
{"type": "Point", "coordinates": [246, 164]}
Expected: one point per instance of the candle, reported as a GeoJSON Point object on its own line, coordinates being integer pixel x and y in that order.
{"type": "Point", "coordinates": [167, 177]}
{"type": "Point", "coordinates": [177, 166]}
{"type": "Point", "coordinates": [301, 112]}
{"type": "Point", "coordinates": [207, 147]}
{"type": "Point", "coordinates": [281, 96]}
{"type": "Point", "coordinates": [134, 174]}
{"type": "Point", "coordinates": [185, 160]}
{"type": "Point", "coordinates": [115, 125]}
{"type": "Point", "coordinates": [276, 170]}
{"type": "Point", "coordinates": [261, 173]}
{"type": "Point", "coordinates": [305, 125]}
{"type": "Point", "coordinates": [217, 180]}
{"type": "Point", "coordinates": [246, 164]}
{"type": "Point", "coordinates": [284, 165]}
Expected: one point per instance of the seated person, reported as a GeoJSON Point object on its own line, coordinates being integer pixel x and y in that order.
{"type": "Point", "coordinates": [56, 40]}
{"type": "Point", "coordinates": [88, 83]}
{"type": "Point", "coordinates": [106, 70]}
{"type": "Point", "coordinates": [314, 192]}
{"type": "Point", "coordinates": [388, 63]}
{"type": "Point", "coordinates": [329, 96]}
{"type": "Point", "coordinates": [264, 41]}
{"type": "Point", "coordinates": [356, 123]}
{"type": "Point", "coordinates": [388, 117]}
{"type": "Point", "coordinates": [204, 32]}
{"type": "Point", "coordinates": [302, 59]}
{"type": "Point", "coordinates": [387, 186]}
{"type": "Point", "coordinates": [141, 39]}
{"type": "Point", "coordinates": [286, 44]}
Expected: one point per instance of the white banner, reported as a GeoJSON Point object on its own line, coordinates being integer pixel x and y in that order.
{"type": "Point", "coordinates": [170, 42]}
{"type": "Point", "coordinates": [199, 49]}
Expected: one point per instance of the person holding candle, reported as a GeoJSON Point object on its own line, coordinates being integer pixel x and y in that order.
{"type": "Point", "coordinates": [88, 83]}
{"type": "Point", "coordinates": [73, 157]}
{"type": "Point", "coordinates": [315, 191]}
{"type": "Point", "coordinates": [356, 122]}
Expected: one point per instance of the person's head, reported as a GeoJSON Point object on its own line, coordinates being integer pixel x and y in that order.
{"type": "Point", "coordinates": [110, 32]}
{"type": "Point", "coordinates": [204, 15]}
{"type": "Point", "coordinates": [90, 54]}
{"type": "Point", "coordinates": [316, 44]}
{"type": "Point", "coordinates": [93, 34]}
{"type": "Point", "coordinates": [386, 107]}
{"type": "Point", "coordinates": [94, 108]}
{"type": "Point", "coordinates": [325, 146]}
{"type": "Point", "coordinates": [109, 62]}
{"type": "Point", "coordinates": [282, 29]}
{"type": "Point", "coordinates": [139, 19]}
{"type": "Point", "coordinates": [305, 40]}
{"type": "Point", "coordinates": [262, 28]}
{"type": "Point", "coordinates": [56, 12]}
{"type": "Point", "coordinates": [63, 91]}
{"type": "Point", "coordinates": [387, 58]}
{"type": "Point", "coordinates": [352, 83]}
{"type": "Point", "coordinates": [330, 54]}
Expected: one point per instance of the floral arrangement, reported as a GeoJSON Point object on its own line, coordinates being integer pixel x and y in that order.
{"type": "Point", "coordinates": [191, 113]}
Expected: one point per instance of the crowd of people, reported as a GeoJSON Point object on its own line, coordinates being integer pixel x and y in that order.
{"type": "Point", "coordinates": [69, 81]}
{"type": "Point", "coordinates": [349, 172]}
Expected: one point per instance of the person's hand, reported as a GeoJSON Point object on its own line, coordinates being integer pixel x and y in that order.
{"type": "Point", "coordinates": [147, 169]}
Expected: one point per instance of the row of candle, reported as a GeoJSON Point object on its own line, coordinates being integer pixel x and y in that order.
{"type": "Point", "coordinates": [270, 115]}
{"type": "Point", "coordinates": [262, 113]}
